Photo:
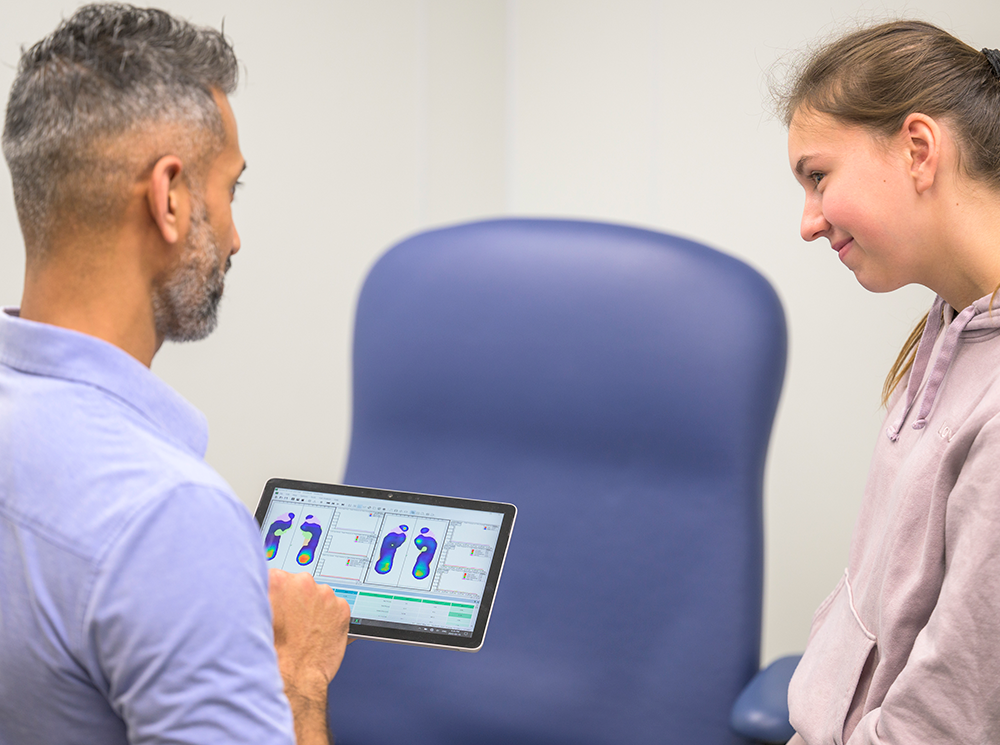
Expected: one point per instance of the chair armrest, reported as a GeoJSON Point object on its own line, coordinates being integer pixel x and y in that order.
{"type": "Point", "coordinates": [761, 711]}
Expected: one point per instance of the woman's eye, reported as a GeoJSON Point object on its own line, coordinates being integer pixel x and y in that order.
{"type": "Point", "coordinates": [816, 177]}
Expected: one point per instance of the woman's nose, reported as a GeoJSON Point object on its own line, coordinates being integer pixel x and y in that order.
{"type": "Point", "coordinates": [814, 224]}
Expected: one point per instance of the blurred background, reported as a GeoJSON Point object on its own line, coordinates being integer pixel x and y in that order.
{"type": "Point", "coordinates": [363, 121]}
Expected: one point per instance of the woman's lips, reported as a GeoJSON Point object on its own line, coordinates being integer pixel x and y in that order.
{"type": "Point", "coordinates": [842, 247]}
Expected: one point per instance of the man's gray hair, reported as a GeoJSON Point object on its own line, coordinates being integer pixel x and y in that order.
{"type": "Point", "coordinates": [108, 72]}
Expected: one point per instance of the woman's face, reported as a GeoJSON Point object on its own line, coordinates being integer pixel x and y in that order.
{"type": "Point", "coordinates": [860, 196]}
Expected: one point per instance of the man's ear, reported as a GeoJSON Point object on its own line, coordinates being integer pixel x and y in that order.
{"type": "Point", "coordinates": [167, 197]}
{"type": "Point", "coordinates": [923, 138]}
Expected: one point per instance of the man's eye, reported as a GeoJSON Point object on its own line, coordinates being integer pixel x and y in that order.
{"type": "Point", "coordinates": [237, 185]}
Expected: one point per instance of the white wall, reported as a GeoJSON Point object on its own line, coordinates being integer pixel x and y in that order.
{"type": "Point", "coordinates": [365, 121]}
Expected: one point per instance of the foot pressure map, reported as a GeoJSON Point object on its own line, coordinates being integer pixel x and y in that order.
{"type": "Point", "coordinates": [404, 565]}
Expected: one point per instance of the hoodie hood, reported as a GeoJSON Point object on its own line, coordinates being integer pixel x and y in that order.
{"type": "Point", "coordinates": [978, 318]}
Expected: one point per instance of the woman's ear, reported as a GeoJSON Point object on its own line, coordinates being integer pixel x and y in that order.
{"type": "Point", "coordinates": [167, 197]}
{"type": "Point", "coordinates": [922, 139]}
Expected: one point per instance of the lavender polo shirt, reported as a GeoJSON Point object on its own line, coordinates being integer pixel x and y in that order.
{"type": "Point", "coordinates": [133, 589]}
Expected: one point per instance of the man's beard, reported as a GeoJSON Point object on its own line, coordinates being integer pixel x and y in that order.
{"type": "Point", "coordinates": [186, 304]}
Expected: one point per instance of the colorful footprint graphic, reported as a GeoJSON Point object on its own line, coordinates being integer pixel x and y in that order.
{"type": "Point", "coordinates": [278, 528]}
{"type": "Point", "coordinates": [311, 530]}
{"type": "Point", "coordinates": [428, 547]}
{"type": "Point", "coordinates": [387, 553]}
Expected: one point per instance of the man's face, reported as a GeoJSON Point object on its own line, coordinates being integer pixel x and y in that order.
{"type": "Point", "coordinates": [186, 303]}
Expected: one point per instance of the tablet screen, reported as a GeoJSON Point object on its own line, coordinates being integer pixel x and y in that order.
{"type": "Point", "coordinates": [415, 568]}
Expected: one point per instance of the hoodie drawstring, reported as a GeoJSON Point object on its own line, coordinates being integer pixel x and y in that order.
{"type": "Point", "coordinates": [941, 364]}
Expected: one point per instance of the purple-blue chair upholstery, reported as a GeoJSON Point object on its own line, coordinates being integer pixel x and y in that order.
{"type": "Point", "coordinates": [619, 386]}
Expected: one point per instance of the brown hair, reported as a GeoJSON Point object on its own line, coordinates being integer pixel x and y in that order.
{"type": "Point", "coordinates": [877, 76]}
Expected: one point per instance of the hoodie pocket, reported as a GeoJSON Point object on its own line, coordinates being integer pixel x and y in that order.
{"type": "Point", "coordinates": [824, 684]}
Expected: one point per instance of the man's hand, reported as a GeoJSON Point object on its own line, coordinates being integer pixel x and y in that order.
{"type": "Point", "coordinates": [310, 635]}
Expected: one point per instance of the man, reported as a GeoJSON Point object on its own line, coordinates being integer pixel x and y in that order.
{"type": "Point", "coordinates": [134, 598]}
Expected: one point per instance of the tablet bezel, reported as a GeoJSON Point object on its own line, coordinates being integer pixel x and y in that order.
{"type": "Point", "coordinates": [408, 636]}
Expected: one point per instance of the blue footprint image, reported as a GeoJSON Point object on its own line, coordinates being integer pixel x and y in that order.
{"type": "Point", "coordinates": [427, 544]}
{"type": "Point", "coordinates": [278, 528]}
{"type": "Point", "coordinates": [387, 553]}
{"type": "Point", "coordinates": [311, 531]}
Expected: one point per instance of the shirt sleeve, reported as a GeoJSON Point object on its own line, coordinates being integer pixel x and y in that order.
{"type": "Point", "coordinates": [948, 690]}
{"type": "Point", "coordinates": [178, 625]}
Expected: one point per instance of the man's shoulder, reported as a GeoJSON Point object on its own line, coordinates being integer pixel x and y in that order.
{"type": "Point", "coordinates": [86, 514]}
{"type": "Point", "coordinates": [83, 463]}
{"type": "Point", "coordinates": [57, 382]}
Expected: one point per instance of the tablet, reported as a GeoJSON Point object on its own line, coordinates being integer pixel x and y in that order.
{"type": "Point", "coordinates": [415, 568]}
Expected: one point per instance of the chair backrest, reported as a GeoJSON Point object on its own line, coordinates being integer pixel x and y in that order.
{"type": "Point", "coordinates": [619, 386]}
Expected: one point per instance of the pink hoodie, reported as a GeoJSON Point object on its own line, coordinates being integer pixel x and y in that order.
{"type": "Point", "coordinates": [907, 647]}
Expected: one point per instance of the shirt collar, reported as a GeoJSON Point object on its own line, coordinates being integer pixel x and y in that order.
{"type": "Point", "coordinates": [42, 349]}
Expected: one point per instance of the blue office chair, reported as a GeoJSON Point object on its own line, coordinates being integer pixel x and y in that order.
{"type": "Point", "coordinates": [619, 386]}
